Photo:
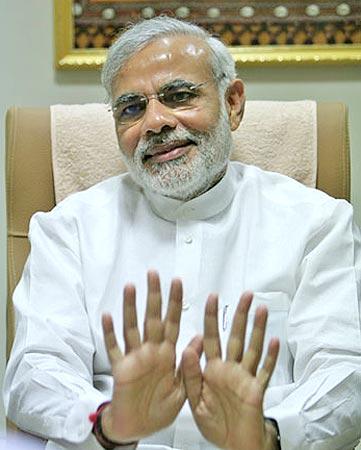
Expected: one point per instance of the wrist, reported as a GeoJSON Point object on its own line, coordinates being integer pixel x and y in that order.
{"type": "Point", "coordinates": [102, 429]}
{"type": "Point", "coordinates": [273, 441]}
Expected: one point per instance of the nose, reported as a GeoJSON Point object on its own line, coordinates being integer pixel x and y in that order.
{"type": "Point", "coordinates": [156, 117]}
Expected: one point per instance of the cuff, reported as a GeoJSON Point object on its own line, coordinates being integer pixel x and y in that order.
{"type": "Point", "coordinates": [77, 426]}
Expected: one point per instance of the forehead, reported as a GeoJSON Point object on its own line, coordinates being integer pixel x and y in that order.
{"type": "Point", "coordinates": [163, 60]}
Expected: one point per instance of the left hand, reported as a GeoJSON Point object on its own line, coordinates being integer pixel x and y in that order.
{"type": "Point", "coordinates": [227, 398]}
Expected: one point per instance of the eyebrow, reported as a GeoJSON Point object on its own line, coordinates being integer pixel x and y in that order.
{"type": "Point", "coordinates": [125, 98]}
{"type": "Point", "coordinates": [174, 84]}
{"type": "Point", "coordinates": [177, 83]}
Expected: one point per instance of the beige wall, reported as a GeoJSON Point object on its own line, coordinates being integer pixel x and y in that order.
{"type": "Point", "coordinates": [28, 78]}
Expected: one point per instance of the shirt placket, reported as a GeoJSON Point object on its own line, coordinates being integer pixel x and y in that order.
{"type": "Point", "coordinates": [187, 267]}
{"type": "Point", "coordinates": [188, 259]}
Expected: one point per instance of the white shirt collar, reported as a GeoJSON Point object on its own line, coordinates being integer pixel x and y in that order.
{"type": "Point", "coordinates": [202, 207]}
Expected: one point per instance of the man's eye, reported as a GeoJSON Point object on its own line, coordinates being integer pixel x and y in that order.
{"type": "Point", "coordinates": [131, 110]}
{"type": "Point", "coordinates": [178, 97]}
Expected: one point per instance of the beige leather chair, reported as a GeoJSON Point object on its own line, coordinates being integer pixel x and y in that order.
{"type": "Point", "coordinates": [29, 177]}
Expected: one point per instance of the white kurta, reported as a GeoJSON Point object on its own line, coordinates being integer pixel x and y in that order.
{"type": "Point", "coordinates": [295, 247]}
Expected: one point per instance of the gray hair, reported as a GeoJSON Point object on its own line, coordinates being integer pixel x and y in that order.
{"type": "Point", "coordinates": [141, 34]}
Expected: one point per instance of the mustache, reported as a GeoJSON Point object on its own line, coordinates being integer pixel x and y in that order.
{"type": "Point", "coordinates": [167, 137]}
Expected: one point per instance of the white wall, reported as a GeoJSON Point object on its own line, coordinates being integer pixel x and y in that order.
{"type": "Point", "coordinates": [27, 78]}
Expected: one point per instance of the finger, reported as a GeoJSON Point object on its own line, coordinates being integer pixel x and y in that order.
{"type": "Point", "coordinates": [254, 352]}
{"type": "Point", "coordinates": [174, 311]}
{"type": "Point", "coordinates": [111, 345]}
{"type": "Point", "coordinates": [130, 322]}
{"type": "Point", "coordinates": [265, 373]}
{"type": "Point", "coordinates": [235, 344]}
{"type": "Point", "coordinates": [212, 346]}
{"type": "Point", "coordinates": [192, 373]}
{"type": "Point", "coordinates": [195, 344]}
{"type": "Point", "coordinates": [153, 326]}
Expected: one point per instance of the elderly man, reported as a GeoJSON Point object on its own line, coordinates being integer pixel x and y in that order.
{"type": "Point", "coordinates": [209, 226]}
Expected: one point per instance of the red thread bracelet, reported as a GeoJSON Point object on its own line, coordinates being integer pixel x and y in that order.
{"type": "Point", "coordinates": [94, 415]}
{"type": "Point", "coordinates": [96, 419]}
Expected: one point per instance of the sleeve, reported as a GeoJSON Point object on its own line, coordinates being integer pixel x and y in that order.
{"type": "Point", "coordinates": [48, 385]}
{"type": "Point", "coordinates": [321, 409]}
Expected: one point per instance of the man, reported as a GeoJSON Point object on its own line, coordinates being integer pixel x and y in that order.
{"type": "Point", "coordinates": [210, 226]}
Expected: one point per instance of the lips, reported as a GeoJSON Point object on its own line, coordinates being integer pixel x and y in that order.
{"type": "Point", "coordinates": [168, 151]}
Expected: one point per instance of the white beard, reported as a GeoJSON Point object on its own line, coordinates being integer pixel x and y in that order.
{"type": "Point", "coordinates": [184, 178]}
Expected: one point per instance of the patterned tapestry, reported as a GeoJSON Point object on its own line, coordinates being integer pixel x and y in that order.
{"type": "Point", "coordinates": [236, 23]}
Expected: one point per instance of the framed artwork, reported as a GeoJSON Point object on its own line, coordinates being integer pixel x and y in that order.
{"type": "Point", "coordinates": [257, 32]}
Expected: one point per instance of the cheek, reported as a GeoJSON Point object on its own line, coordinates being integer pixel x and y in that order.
{"type": "Point", "coordinates": [201, 119]}
{"type": "Point", "coordinates": [128, 140]}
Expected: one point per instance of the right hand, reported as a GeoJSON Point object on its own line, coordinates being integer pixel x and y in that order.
{"type": "Point", "coordinates": [148, 391]}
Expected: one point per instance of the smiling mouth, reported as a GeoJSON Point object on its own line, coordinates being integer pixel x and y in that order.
{"type": "Point", "coordinates": [167, 152]}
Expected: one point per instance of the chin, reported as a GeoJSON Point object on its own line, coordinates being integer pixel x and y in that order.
{"type": "Point", "coordinates": [184, 187]}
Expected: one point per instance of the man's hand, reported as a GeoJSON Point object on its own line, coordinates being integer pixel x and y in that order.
{"type": "Point", "coordinates": [226, 399]}
{"type": "Point", "coordinates": [148, 391]}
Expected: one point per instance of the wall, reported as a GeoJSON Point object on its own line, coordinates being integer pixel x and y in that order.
{"type": "Point", "coordinates": [27, 78]}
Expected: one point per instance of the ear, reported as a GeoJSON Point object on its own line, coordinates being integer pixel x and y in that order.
{"type": "Point", "coordinates": [235, 100]}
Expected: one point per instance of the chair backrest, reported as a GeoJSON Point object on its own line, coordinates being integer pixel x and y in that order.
{"type": "Point", "coordinates": [30, 187]}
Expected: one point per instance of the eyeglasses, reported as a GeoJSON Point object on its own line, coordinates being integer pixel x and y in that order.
{"type": "Point", "coordinates": [178, 94]}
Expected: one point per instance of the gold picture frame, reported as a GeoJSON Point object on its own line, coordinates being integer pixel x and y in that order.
{"type": "Point", "coordinates": [67, 57]}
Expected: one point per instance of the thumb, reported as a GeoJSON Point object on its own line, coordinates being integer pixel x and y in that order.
{"type": "Point", "coordinates": [191, 371]}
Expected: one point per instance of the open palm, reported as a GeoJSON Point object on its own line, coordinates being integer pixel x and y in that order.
{"type": "Point", "coordinates": [148, 390]}
{"type": "Point", "coordinates": [226, 399]}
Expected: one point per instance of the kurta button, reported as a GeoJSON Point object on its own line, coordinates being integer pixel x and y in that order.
{"type": "Point", "coordinates": [185, 306]}
{"type": "Point", "coordinates": [188, 240]}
